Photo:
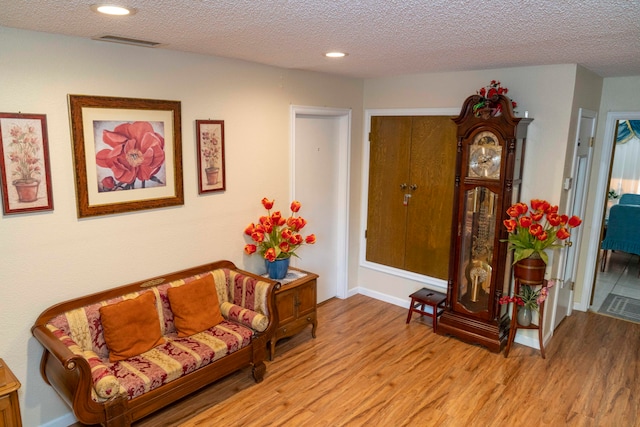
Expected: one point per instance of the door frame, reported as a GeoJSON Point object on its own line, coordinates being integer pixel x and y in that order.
{"type": "Point", "coordinates": [599, 203]}
{"type": "Point", "coordinates": [453, 112]}
{"type": "Point", "coordinates": [343, 115]}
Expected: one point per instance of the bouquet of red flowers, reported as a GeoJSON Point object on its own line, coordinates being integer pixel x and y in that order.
{"type": "Point", "coordinates": [534, 230]}
{"type": "Point", "coordinates": [275, 236]}
{"type": "Point", "coordinates": [488, 100]}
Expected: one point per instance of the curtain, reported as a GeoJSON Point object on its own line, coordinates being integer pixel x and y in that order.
{"type": "Point", "coordinates": [627, 130]}
{"type": "Point", "coordinates": [625, 171]}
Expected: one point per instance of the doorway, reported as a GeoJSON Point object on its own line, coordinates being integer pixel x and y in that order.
{"type": "Point", "coordinates": [320, 169]}
{"type": "Point", "coordinates": [600, 202]}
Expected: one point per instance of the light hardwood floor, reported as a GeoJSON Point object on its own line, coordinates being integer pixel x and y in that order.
{"type": "Point", "coordinates": [366, 367]}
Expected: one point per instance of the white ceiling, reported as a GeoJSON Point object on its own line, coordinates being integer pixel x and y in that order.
{"type": "Point", "coordinates": [382, 37]}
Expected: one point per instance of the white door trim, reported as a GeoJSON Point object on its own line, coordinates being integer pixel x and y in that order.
{"type": "Point", "coordinates": [344, 145]}
{"type": "Point", "coordinates": [599, 202]}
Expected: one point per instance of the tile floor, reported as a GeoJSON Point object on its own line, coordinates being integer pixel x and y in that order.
{"type": "Point", "coordinates": [620, 278]}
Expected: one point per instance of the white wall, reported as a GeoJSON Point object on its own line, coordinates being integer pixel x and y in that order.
{"type": "Point", "coordinates": [48, 257]}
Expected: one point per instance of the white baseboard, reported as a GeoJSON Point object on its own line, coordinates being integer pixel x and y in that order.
{"type": "Point", "coordinates": [63, 421]}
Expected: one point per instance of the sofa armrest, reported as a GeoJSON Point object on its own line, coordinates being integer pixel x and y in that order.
{"type": "Point", "coordinates": [55, 347]}
{"type": "Point", "coordinates": [105, 384]}
{"type": "Point", "coordinates": [253, 292]}
{"type": "Point", "coordinates": [244, 316]}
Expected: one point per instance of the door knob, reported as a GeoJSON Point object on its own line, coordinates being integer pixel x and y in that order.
{"type": "Point", "coordinates": [413, 187]}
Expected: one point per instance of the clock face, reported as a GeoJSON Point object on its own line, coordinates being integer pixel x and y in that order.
{"type": "Point", "coordinates": [485, 155]}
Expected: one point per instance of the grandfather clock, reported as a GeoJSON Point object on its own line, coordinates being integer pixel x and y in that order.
{"type": "Point", "coordinates": [490, 156]}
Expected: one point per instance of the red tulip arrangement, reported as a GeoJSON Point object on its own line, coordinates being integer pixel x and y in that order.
{"type": "Point", "coordinates": [275, 236]}
{"type": "Point", "coordinates": [534, 230]}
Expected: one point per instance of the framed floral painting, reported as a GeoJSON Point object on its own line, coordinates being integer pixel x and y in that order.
{"type": "Point", "coordinates": [211, 170]}
{"type": "Point", "coordinates": [127, 152]}
{"type": "Point", "coordinates": [24, 161]}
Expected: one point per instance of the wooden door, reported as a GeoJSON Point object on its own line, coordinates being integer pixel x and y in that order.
{"type": "Point", "coordinates": [389, 156]}
{"type": "Point", "coordinates": [433, 164]}
{"type": "Point", "coordinates": [411, 158]}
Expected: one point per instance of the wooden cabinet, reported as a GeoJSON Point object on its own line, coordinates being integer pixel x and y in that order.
{"type": "Point", "coordinates": [296, 303]}
{"type": "Point", "coordinates": [9, 405]}
{"type": "Point", "coordinates": [411, 171]}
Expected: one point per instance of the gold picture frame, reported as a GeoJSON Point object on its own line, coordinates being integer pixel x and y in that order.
{"type": "Point", "coordinates": [127, 154]}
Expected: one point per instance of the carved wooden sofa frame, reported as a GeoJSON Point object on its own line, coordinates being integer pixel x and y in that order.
{"type": "Point", "coordinates": [70, 373]}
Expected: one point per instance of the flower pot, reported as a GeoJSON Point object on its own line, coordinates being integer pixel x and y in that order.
{"type": "Point", "coordinates": [27, 190]}
{"type": "Point", "coordinates": [484, 113]}
{"type": "Point", "coordinates": [530, 271]}
{"type": "Point", "coordinates": [212, 175]}
{"type": "Point", "coordinates": [524, 316]}
{"type": "Point", "coordinates": [277, 269]}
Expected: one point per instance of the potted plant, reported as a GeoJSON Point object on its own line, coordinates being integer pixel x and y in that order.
{"type": "Point", "coordinates": [26, 169]}
{"type": "Point", "coordinates": [531, 232]}
{"type": "Point", "coordinates": [211, 154]}
{"type": "Point", "coordinates": [529, 300]}
{"type": "Point", "coordinates": [277, 238]}
{"type": "Point", "coordinates": [488, 105]}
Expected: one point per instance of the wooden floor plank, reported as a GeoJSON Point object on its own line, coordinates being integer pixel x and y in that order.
{"type": "Point", "coordinates": [367, 367]}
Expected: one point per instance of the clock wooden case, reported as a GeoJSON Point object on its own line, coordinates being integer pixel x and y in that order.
{"type": "Point", "coordinates": [490, 157]}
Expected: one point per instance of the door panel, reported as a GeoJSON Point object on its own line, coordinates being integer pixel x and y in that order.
{"type": "Point", "coordinates": [317, 159]}
{"type": "Point", "coordinates": [433, 157]}
{"type": "Point", "coordinates": [388, 171]}
{"type": "Point", "coordinates": [581, 171]}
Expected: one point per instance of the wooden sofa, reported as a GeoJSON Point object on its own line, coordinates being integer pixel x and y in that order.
{"type": "Point", "coordinates": [76, 358]}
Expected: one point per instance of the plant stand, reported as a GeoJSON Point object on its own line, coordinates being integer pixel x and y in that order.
{"type": "Point", "coordinates": [514, 320]}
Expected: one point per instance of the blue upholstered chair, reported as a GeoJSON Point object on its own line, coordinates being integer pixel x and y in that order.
{"type": "Point", "coordinates": [629, 199]}
{"type": "Point", "coordinates": [623, 228]}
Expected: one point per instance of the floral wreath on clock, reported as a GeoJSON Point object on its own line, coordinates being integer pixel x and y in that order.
{"type": "Point", "coordinates": [488, 106]}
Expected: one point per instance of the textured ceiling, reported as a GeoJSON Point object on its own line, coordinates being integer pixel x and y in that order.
{"type": "Point", "coordinates": [382, 37]}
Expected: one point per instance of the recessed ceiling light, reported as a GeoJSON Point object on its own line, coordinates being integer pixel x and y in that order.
{"type": "Point", "coordinates": [335, 54]}
{"type": "Point", "coordinates": [110, 9]}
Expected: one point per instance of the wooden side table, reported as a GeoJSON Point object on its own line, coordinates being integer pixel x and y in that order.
{"type": "Point", "coordinates": [514, 320]}
{"type": "Point", "coordinates": [9, 405]}
{"type": "Point", "coordinates": [296, 303]}
{"type": "Point", "coordinates": [433, 299]}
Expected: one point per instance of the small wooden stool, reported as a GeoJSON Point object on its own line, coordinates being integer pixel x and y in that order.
{"type": "Point", "coordinates": [433, 299]}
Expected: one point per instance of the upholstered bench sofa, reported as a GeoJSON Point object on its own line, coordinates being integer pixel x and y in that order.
{"type": "Point", "coordinates": [118, 355]}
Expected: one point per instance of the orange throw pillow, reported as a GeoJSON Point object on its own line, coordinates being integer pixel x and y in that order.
{"type": "Point", "coordinates": [131, 327]}
{"type": "Point", "coordinates": [195, 306]}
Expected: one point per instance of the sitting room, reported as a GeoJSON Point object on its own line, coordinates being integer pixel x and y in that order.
{"type": "Point", "coordinates": [150, 141]}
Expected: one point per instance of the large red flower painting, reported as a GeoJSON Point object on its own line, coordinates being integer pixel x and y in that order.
{"type": "Point", "coordinates": [136, 153]}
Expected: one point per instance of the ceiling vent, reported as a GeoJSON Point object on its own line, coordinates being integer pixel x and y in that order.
{"type": "Point", "coordinates": [125, 40]}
